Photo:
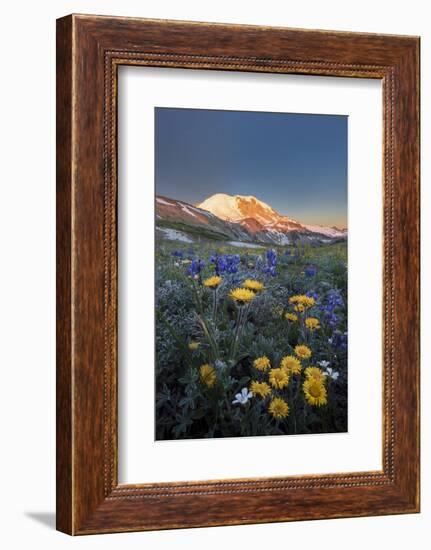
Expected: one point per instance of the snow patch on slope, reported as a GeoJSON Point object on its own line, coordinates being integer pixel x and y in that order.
{"type": "Point", "coordinates": [161, 201]}
{"type": "Point", "coordinates": [279, 237]}
{"type": "Point", "coordinates": [187, 210]}
{"type": "Point", "coordinates": [244, 245]}
{"type": "Point", "coordinates": [327, 231]}
{"type": "Point", "coordinates": [174, 235]}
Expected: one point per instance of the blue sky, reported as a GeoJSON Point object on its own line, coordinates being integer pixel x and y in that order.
{"type": "Point", "coordinates": [297, 163]}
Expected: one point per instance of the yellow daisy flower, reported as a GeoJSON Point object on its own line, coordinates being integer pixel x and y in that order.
{"type": "Point", "coordinates": [261, 389]}
{"type": "Point", "coordinates": [291, 364]}
{"type": "Point", "coordinates": [251, 284]}
{"type": "Point", "coordinates": [303, 352]}
{"type": "Point", "coordinates": [278, 378]}
{"type": "Point", "coordinates": [302, 300]}
{"type": "Point", "coordinates": [194, 346]}
{"type": "Point", "coordinates": [315, 392]}
{"type": "Point", "coordinates": [314, 373]}
{"type": "Point", "coordinates": [262, 363]}
{"type": "Point", "coordinates": [278, 408]}
{"type": "Point", "coordinates": [208, 375]}
{"type": "Point", "coordinates": [308, 301]}
{"type": "Point", "coordinates": [291, 317]}
{"type": "Point", "coordinates": [312, 323]}
{"type": "Point", "coordinates": [212, 282]}
{"type": "Point", "coordinates": [242, 295]}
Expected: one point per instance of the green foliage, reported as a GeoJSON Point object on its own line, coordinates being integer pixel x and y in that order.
{"type": "Point", "coordinates": [230, 336]}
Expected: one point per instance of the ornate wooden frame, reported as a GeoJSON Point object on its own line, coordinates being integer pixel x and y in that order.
{"type": "Point", "coordinates": [89, 51]}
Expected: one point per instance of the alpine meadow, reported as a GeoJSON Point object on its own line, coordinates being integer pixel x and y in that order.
{"type": "Point", "coordinates": [250, 274]}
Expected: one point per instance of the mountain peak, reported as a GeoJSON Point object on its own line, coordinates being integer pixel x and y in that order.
{"type": "Point", "coordinates": [235, 208]}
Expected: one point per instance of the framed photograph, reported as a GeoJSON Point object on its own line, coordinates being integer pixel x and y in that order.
{"type": "Point", "coordinates": [237, 274]}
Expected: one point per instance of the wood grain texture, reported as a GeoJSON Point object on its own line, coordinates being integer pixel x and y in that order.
{"type": "Point", "coordinates": [64, 497]}
{"type": "Point", "coordinates": [90, 49]}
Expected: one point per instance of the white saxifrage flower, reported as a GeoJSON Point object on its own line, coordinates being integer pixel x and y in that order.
{"type": "Point", "coordinates": [331, 373]}
{"type": "Point", "coordinates": [243, 397]}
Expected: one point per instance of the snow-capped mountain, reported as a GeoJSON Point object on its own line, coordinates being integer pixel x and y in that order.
{"type": "Point", "coordinates": [235, 218]}
{"type": "Point", "coordinates": [238, 207]}
{"type": "Point", "coordinates": [248, 210]}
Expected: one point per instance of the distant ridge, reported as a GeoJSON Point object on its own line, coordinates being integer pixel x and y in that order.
{"type": "Point", "coordinates": [235, 218]}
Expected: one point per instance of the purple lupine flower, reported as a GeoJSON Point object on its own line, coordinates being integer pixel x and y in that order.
{"type": "Point", "coordinates": [332, 319]}
{"type": "Point", "coordinates": [225, 263]}
{"type": "Point", "coordinates": [196, 267]}
{"type": "Point", "coordinates": [312, 294]}
{"type": "Point", "coordinates": [177, 253]}
{"type": "Point", "coordinates": [339, 340]}
{"type": "Point", "coordinates": [271, 262]}
{"type": "Point", "coordinates": [271, 258]}
{"type": "Point", "coordinates": [310, 271]}
{"type": "Point", "coordinates": [332, 301]}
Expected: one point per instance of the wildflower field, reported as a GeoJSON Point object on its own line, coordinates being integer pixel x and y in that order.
{"type": "Point", "coordinates": [250, 341]}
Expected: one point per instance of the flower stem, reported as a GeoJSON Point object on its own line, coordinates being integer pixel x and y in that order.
{"type": "Point", "coordinates": [215, 305]}
{"type": "Point", "coordinates": [238, 324]}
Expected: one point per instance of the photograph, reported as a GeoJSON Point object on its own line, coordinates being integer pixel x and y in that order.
{"type": "Point", "coordinates": [251, 285]}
